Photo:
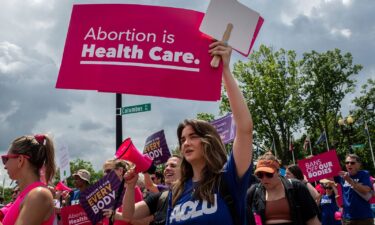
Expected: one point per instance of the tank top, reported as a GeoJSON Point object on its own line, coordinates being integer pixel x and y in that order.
{"type": "Point", "coordinates": [278, 209]}
{"type": "Point", "coordinates": [12, 215]}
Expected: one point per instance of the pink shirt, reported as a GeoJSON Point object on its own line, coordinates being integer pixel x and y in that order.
{"type": "Point", "coordinates": [13, 212]}
{"type": "Point", "coordinates": [137, 198]}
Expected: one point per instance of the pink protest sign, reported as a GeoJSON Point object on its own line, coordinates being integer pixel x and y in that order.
{"type": "Point", "coordinates": [137, 49]}
{"type": "Point", "coordinates": [74, 215]}
{"type": "Point", "coordinates": [320, 166]}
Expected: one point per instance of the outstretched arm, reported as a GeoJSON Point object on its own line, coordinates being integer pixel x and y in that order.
{"type": "Point", "coordinates": [130, 209]}
{"type": "Point", "coordinates": [242, 145]}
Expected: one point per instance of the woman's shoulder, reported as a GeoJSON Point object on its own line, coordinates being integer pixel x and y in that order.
{"type": "Point", "coordinates": [40, 194]}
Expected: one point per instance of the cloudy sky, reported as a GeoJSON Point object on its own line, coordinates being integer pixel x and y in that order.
{"type": "Point", "coordinates": [32, 38]}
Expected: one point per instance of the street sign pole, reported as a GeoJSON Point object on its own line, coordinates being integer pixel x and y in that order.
{"type": "Point", "coordinates": [118, 121]}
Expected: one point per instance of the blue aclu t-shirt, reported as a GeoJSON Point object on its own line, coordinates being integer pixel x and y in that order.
{"type": "Point", "coordinates": [188, 210]}
{"type": "Point", "coordinates": [328, 208]}
{"type": "Point", "coordinates": [355, 207]}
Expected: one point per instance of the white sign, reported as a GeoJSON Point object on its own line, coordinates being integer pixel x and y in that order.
{"type": "Point", "coordinates": [64, 162]}
{"type": "Point", "coordinates": [244, 21]}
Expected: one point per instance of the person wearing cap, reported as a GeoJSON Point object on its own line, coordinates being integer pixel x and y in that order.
{"type": "Point", "coordinates": [329, 204]}
{"type": "Point", "coordinates": [81, 182]}
{"type": "Point", "coordinates": [277, 200]}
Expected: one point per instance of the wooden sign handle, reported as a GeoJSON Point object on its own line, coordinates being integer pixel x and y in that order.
{"type": "Point", "coordinates": [216, 59]}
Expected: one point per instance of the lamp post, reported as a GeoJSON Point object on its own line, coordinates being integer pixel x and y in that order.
{"type": "Point", "coordinates": [344, 124]}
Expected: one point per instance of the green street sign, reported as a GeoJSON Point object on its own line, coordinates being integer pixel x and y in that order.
{"type": "Point", "coordinates": [358, 146]}
{"type": "Point", "coordinates": [136, 108]}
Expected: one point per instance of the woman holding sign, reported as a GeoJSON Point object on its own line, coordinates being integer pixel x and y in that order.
{"type": "Point", "coordinates": [25, 157]}
{"type": "Point", "coordinates": [196, 198]}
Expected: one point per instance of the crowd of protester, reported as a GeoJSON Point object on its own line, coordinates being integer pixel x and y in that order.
{"type": "Point", "coordinates": [201, 186]}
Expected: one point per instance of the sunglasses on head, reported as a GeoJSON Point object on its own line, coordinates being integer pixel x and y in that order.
{"type": "Point", "coordinates": [5, 158]}
{"type": "Point", "coordinates": [260, 175]}
{"type": "Point", "coordinates": [350, 162]}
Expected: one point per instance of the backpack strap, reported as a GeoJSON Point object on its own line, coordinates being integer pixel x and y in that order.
{"type": "Point", "coordinates": [255, 203]}
{"type": "Point", "coordinates": [295, 203]}
{"type": "Point", "coordinates": [228, 198]}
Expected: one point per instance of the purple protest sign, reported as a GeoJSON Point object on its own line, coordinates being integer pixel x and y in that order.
{"type": "Point", "coordinates": [156, 148]}
{"type": "Point", "coordinates": [225, 127]}
{"type": "Point", "coordinates": [99, 196]}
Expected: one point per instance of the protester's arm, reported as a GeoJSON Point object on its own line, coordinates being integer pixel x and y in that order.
{"type": "Point", "coordinates": [41, 199]}
{"type": "Point", "coordinates": [314, 193]}
{"type": "Point", "coordinates": [334, 189]}
{"type": "Point", "coordinates": [364, 189]}
{"type": "Point", "coordinates": [149, 184]}
{"type": "Point", "coordinates": [130, 209]}
{"type": "Point", "coordinates": [242, 145]}
{"type": "Point", "coordinates": [313, 221]}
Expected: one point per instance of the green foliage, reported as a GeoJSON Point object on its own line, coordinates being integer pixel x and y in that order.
{"type": "Point", "coordinates": [271, 86]}
{"type": "Point", "coordinates": [327, 78]}
{"type": "Point", "coordinates": [286, 95]}
{"type": "Point", "coordinates": [205, 116]}
{"type": "Point", "coordinates": [77, 164]}
{"type": "Point", "coordinates": [7, 194]}
{"type": "Point", "coordinates": [365, 113]}
{"type": "Point", "coordinates": [176, 151]}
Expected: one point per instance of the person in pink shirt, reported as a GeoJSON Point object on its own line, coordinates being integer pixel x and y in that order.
{"type": "Point", "coordinates": [26, 156]}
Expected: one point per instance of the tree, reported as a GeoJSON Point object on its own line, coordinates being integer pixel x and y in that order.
{"type": "Point", "coordinates": [271, 86]}
{"type": "Point", "coordinates": [205, 116]}
{"type": "Point", "coordinates": [77, 164]}
{"type": "Point", "coordinates": [365, 114]}
{"type": "Point", "coordinates": [326, 81]}
{"type": "Point", "coordinates": [7, 194]}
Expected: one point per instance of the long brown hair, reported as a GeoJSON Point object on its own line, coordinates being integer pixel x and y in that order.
{"type": "Point", "coordinates": [41, 151]}
{"type": "Point", "coordinates": [214, 155]}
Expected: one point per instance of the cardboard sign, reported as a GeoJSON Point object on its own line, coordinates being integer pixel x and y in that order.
{"type": "Point", "coordinates": [156, 148]}
{"type": "Point", "coordinates": [99, 196]}
{"type": "Point", "coordinates": [74, 215]}
{"type": "Point", "coordinates": [321, 166]}
{"type": "Point", "coordinates": [138, 49]}
{"type": "Point", "coordinates": [225, 127]}
{"type": "Point", "coordinates": [246, 23]}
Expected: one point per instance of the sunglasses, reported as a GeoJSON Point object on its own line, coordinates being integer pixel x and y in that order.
{"type": "Point", "coordinates": [328, 188]}
{"type": "Point", "coordinates": [351, 163]}
{"type": "Point", "coordinates": [260, 175]}
{"type": "Point", "coordinates": [5, 158]}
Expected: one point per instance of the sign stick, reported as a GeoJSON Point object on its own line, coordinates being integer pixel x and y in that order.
{"type": "Point", "coordinates": [216, 60]}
